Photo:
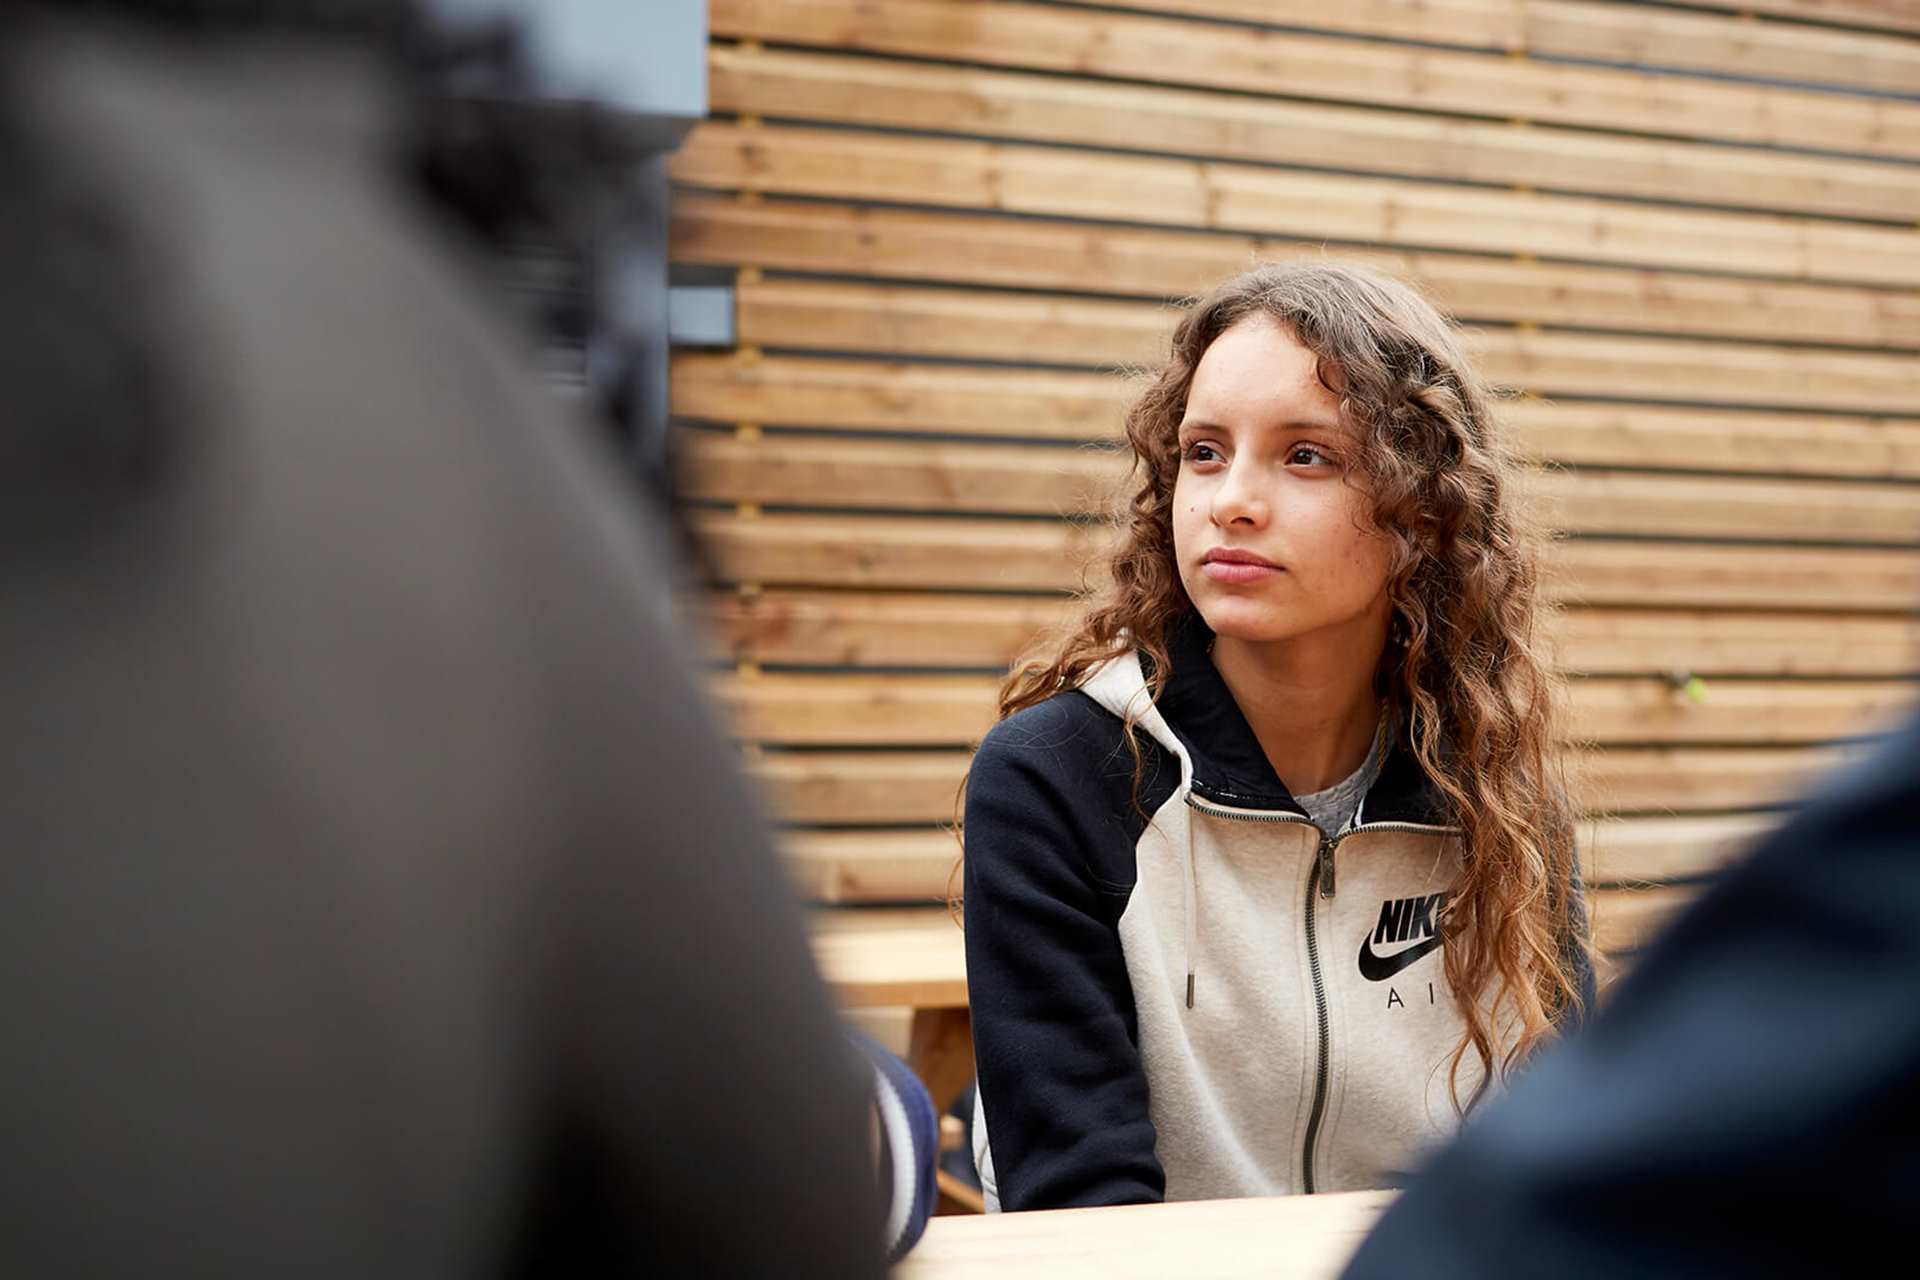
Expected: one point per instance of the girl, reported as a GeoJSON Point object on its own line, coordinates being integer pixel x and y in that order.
{"type": "Point", "coordinates": [1268, 867]}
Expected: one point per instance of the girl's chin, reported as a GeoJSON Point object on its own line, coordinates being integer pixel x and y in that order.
{"type": "Point", "coordinates": [1244, 620]}
{"type": "Point", "coordinates": [1247, 623]}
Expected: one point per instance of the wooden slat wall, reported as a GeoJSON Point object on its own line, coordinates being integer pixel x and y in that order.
{"type": "Point", "coordinates": [1032, 107]}
{"type": "Point", "coordinates": [1684, 241]}
{"type": "Point", "coordinates": [1162, 51]}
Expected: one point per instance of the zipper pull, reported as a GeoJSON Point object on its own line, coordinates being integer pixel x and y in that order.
{"type": "Point", "coordinates": [1326, 865]}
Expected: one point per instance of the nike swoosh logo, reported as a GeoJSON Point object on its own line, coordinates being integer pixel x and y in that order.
{"type": "Point", "coordinates": [1379, 968]}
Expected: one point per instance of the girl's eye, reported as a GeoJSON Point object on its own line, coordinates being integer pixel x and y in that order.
{"type": "Point", "coordinates": [1306, 455]}
{"type": "Point", "coordinates": [1201, 451]}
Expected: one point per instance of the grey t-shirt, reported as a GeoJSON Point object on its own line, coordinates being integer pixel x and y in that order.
{"type": "Point", "coordinates": [1332, 809]}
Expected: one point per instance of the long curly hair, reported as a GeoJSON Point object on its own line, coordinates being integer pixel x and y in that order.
{"type": "Point", "coordinates": [1464, 667]}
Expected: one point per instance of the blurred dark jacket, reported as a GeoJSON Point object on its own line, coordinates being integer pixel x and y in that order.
{"type": "Point", "coordinates": [1749, 1101]}
{"type": "Point", "coordinates": [379, 897]}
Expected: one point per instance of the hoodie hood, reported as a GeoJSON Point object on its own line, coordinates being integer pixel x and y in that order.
{"type": "Point", "coordinates": [1198, 720]}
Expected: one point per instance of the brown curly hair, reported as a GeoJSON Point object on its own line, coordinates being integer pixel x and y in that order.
{"type": "Point", "coordinates": [1464, 669]}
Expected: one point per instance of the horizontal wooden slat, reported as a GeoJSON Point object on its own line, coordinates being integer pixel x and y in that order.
{"type": "Point", "coordinates": [1494, 24]}
{"type": "Point", "coordinates": [878, 629]}
{"type": "Point", "coordinates": [837, 867]}
{"type": "Point", "coordinates": [1032, 555]}
{"type": "Point", "coordinates": [1729, 45]}
{"type": "Point", "coordinates": [1623, 502]}
{"type": "Point", "coordinates": [1886, 15]}
{"type": "Point", "coordinates": [923, 710]}
{"type": "Point", "coordinates": [950, 323]}
{"type": "Point", "coordinates": [884, 629]}
{"type": "Point", "coordinates": [967, 174]}
{"type": "Point", "coordinates": [922, 964]}
{"type": "Point", "coordinates": [1711, 643]}
{"type": "Point", "coordinates": [862, 787]}
{"type": "Point", "coordinates": [812, 471]}
{"type": "Point", "coordinates": [1628, 851]}
{"type": "Point", "coordinates": [866, 788]}
{"type": "Point", "coordinates": [1631, 33]}
{"type": "Point", "coordinates": [918, 865]}
{"type": "Point", "coordinates": [830, 711]}
{"type": "Point", "coordinates": [839, 551]}
{"type": "Point", "coordinates": [1627, 920]}
{"type": "Point", "coordinates": [1032, 107]}
{"type": "Point", "coordinates": [1074, 256]}
{"type": "Point", "coordinates": [869, 395]}
{"type": "Point", "coordinates": [955, 323]}
{"type": "Point", "coordinates": [1597, 572]}
{"type": "Point", "coordinates": [1159, 50]}
{"type": "Point", "coordinates": [837, 922]}
{"type": "Point", "coordinates": [1697, 779]}
{"type": "Point", "coordinates": [1581, 365]}
{"type": "Point", "coordinates": [1609, 710]}
{"type": "Point", "coordinates": [865, 395]}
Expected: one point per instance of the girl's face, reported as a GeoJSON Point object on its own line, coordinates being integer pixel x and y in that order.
{"type": "Point", "coordinates": [1274, 537]}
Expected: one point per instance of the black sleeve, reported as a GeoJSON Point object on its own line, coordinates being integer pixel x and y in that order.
{"type": "Point", "coordinates": [1748, 1091]}
{"type": "Point", "coordinates": [1049, 866]}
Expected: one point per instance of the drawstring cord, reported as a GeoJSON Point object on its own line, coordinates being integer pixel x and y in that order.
{"type": "Point", "coordinates": [1193, 911]}
{"type": "Point", "coordinates": [1375, 758]}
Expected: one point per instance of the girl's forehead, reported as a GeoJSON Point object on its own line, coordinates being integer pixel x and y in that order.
{"type": "Point", "coordinates": [1257, 373]}
{"type": "Point", "coordinates": [1258, 359]}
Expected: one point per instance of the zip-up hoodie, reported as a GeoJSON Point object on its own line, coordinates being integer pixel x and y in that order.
{"type": "Point", "coordinates": [1188, 990]}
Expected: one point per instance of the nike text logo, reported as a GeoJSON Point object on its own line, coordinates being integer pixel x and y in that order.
{"type": "Point", "coordinates": [1402, 920]}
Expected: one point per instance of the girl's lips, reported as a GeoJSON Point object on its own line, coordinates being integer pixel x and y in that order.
{"type": "Point", "coordinates": [1238, 571]}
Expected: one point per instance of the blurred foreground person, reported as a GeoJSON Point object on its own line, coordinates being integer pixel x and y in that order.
{"type": "Point", "coordinates": [1749, 1101]}
{"type": "Point", "coordinates": [379, 898]}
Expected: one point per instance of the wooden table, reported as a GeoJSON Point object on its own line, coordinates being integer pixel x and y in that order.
{"type": "Point", "coordinates": [916, 959]}
{"type": "Point", "coordinates": [1296, 1236]}
{"type": "Point", "coordinates": [913, 959]}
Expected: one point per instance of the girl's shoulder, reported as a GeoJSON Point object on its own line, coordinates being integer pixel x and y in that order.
{"type": "Point", "coordinates": [1067, 731]}
{"type": "Point", "coordinates": [1066, 763]}
{"type": "Point", "coordinates": [1077, 725]}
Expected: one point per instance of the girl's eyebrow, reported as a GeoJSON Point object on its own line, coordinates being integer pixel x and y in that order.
{"type": "Point", "coordinates": [1303, 424]}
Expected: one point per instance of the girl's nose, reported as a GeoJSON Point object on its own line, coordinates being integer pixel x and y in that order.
{"type": "Point", "coordinates": [1240, 498]}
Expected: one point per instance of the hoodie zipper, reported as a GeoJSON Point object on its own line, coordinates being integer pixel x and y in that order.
{"type": "Point", "coordinates": [1320, 883]}
{"type": "Point", "coordinates": [1322, 864]}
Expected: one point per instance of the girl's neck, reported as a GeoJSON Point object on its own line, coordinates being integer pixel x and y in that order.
{"type": "Point", "coordinates": [1310, 702]}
